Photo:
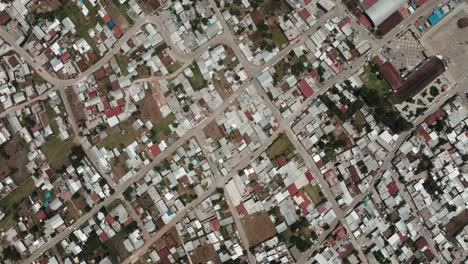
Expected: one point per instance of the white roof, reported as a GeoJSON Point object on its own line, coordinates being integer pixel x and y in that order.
{"type": "Point", "coordinates": [383, 9]}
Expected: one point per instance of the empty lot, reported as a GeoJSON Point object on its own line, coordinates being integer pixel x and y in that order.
{"type": "Point", "coordinates": [447, 31]}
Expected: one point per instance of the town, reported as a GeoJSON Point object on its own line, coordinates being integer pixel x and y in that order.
{"type": "Point", "coordinates": [221, 131]}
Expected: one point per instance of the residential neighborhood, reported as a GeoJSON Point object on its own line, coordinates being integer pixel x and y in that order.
{"type": "Point", "coordinates": [221, 131]}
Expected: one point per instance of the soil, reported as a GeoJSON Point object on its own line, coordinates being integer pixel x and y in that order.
{"type": "Point", "coordinates": [75, 104]}
{"type": "Point", "coordinates": [213, 131]}
{"type": "Point", "coordinates": [258, 228]}
{"type": "Point", "coordinates": [13, 159]}
{"type": "Point", "coordinates": [149, 109]}
{"type": "Point", "coordinates": [117, 17]}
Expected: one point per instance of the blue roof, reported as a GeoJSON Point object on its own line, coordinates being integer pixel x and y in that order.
{"type": "Point", "coordinates": [435, 17]}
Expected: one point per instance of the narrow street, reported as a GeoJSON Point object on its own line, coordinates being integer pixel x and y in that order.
{"type": "Point", "coordinates": [228, 39]}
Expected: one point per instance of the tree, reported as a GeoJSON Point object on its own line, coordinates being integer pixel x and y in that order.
{"type": "Point", "coordinates": [76, 155]}
{"type": "Point", "coordinates": [433, 91]}
{"type": "Point", "coordinates": [263, 29]}
{"type": "Point", "coordinates": [11, 253]}
{"type": "Point", "coordinates": [234, 11]}
{"type": "Point", "coordinates": [300, 243]}
{"type": "Point", "coordinates": [297, 69]}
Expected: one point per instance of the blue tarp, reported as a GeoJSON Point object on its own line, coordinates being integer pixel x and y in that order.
{"type": "Point", "coordinates": [111, 24]}
{"type": "Point", "coordinates": [435, 17]}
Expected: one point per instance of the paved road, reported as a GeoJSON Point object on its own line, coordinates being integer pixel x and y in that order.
{"type": "Point", "coordinates": [69, 82]}
{"type": "Point", "coordinates": [388, 160]}
{"type": "Point", "coordinates": [224, 38]}
{"type": "Point", "coordinates": [28, 102]}
{"type": "Point", "coordinates": [133, 214]}
{"type": "Point", "coordinates": [79, 140]}
{"type": "Point", "coordinates": [237, 219]}
{"type": "Point", "coordinates": [119, 189]}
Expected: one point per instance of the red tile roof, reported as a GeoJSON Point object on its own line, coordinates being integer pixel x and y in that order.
{"type": "Point", "coordinates": [4, 17]}
{"type": "Point", "coordinates": [305, 89]}
{"type": "Point", "coordinates": [309, 176]}
{"type": "Point", "coordinates": [305, 203]}
{"type": "Point", "coordinates": [106, 18]}
{"type": "Point", "coordinates": [215, 224]}
{"type": "Point", "coordinates": [92, 94]}
{"type": "Point", "coordinates": [304, 14]}
{"type": "Point", "coordinates": [109, 219]}
{"type": "Point", "coordinates": [432, 119]}
{"type": "Point", "coordinates": [421, 2]}
{"type": "Point", "coordinates": [113, 112]}
{"type": "Point", "coordinates": [343, 109]}
{"type": "Point", "coordinates": [41, 215]}
{"type": "Point", "coordinates": [391, 75]}
{"type": "Point", "coordinates": [35, 128]}
{"type": "Point", "coordinates": [292, 189]}
{"type": "Point", "coordinates": [421, 132]}
{"type": "Point", "coordinates": [155, 150]}
{"type": "Point", "coordinates": [345, 21]}
{"type": "Point", "coordinates": [65, 56]}
{"type": "Point", "coordinates": [281, 161]}
{"type": "Point", "coordinates": [52, 33]}
{"type": "Point", "coordinates": [166, 60]}
{"type": "Point", "coordinates": [369, 3]}
{"type": "Point", "coordinates": [49, 172]}
{"type": "Point", "coordinates": [365, 21]}
{"type": "Point", "coordinates": [117, 32]}
{"type": "Point", "coordinates": [404, 11]}
{"type": "Point", "coordinates": [314, 74]}
{"type": "Point", "coordinates": [120, 102]}
{"type": "Point", "coordinates": [392, 188]}
{"type": "Point", "coordinates": [241, 209]}
{"type": "Point", "coordinates": [92, 56]}
{"type": "Point", "coordinates": [103, 237]}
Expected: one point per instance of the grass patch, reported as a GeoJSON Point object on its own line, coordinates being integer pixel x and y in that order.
{"type": "Point", "coordinates": [285, 235]}
{"type": "Point", "coordinates": [10, 201]}
{"type": "Point", "coordinates": [314, 193]}
{"type": "Point", "coordinates": [197, 81]}
{"type": "Point", "coordinates": [161, 129]}
{"type": "Point", "coordinates": [122, 61]}
{"type": "Point", "coordinates": [376, 94]}
{"type": "Point", "coordinates": [120, 137]}
{"type": "Point", "coordinates": [359, 121]}
{"type": "Point", "coordinates": [57, 151]}
{"type": "Point", "coordinates": [7, 222]}
{"type": "Point", "coordinates": [281, 146]}
{"type": "Point", "coordinates": [37, 79]}
{"type": "Point", "coordinates": [159, 49]}
{"type": "Point", "coordinates": [52, 115]}
{"type": "Point", "coordinates": [124, 10]}
{"type": "Point", "coordinates": [113, 205]}
{"type": "Point", "coordinates": [82, 23]}
{"type": "Point", "coordinates": [278, 37]}
{"type": "Point", "coordinates": [173, 67]}
{"type": "Point", "coordinates": [374, 82]}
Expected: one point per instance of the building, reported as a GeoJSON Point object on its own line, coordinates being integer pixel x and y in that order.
{"type": "Point", "coordinates": [390, 23]}
{"type": "Point", "coordinates": [391, 75]}
{"type": "Point", "coordinates": [421, 78]}
{"type": "Point", "coordinates": [382, 10]}
{"type": "Point", "coordinates": [435, 17]}
{"type": "Point", "coordinates": [4, 17]}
